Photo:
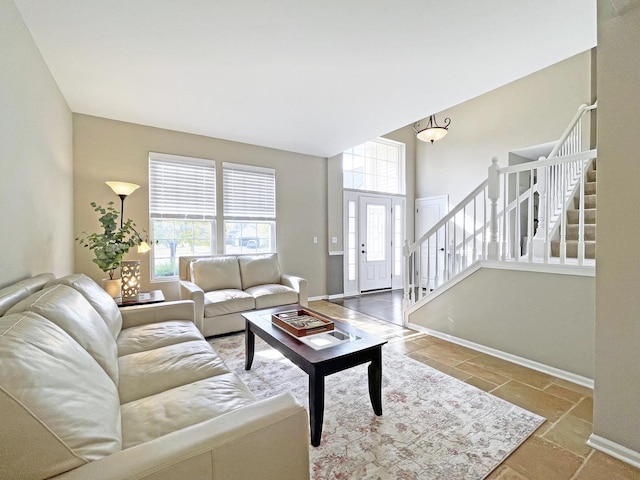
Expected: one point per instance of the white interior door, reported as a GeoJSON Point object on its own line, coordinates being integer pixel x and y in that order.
{"type": "Point", "coordinates": [374, 243]}
{"type": "Point", "coordinates": [429, 211]}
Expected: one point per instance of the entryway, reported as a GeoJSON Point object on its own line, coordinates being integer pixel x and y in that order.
{"type": "Point", "coordinates": [385, 306]}
{"type": "Point", "coordinates": [374, 232]}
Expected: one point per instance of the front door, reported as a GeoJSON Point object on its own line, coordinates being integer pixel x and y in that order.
{"type": "Point", "coordinates": [375, 243]}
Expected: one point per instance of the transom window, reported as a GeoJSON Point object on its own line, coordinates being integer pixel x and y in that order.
{"type": "Point", "coordinates": [376, 166]}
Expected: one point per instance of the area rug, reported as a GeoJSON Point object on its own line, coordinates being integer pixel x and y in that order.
{"type": "Point", "coordinates": [433, 426]}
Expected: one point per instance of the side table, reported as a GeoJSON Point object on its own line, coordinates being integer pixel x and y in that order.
{"type": "Point", "coordinates": [144, 298]}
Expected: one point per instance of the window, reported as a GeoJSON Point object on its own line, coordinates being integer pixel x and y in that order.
{"type": "Point", "coordinates": [182, 210]}
{"type": "Point", "coordinates": [377, 166]}
{"type": "Point", "coordinates": [249, 208]}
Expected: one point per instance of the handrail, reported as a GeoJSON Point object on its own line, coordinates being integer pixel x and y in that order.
{"type": "Point", "coordinates": [458, 208]}
{"type": "Point", "coordinates": [547, 162]}
{"type": "Point", "coordinates": [582, 109]}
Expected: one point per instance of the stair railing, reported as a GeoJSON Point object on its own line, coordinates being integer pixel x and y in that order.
{"type": "Point", "coordinates": [454, 243]}
{"type": "Point", "coordinates": [510, 217]}
{"type": "Point", "coordinates": [515, 232]}
{"type": "Point", "coordinates": [552, 190]}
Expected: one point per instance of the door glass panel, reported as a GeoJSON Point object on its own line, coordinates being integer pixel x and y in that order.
{"type": "Point", "coordinates": [351, 234]}
{"type": "Point", "coordinates": [397, 240]}
{"type": "Point", "coordinates": [376, 233]}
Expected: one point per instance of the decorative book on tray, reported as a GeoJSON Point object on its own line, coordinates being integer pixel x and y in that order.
{"type": "Point", "coordinates": [301, 323]}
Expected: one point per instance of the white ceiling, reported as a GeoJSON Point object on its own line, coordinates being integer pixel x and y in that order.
{"type": "Point", "coordinates": [314, 77]}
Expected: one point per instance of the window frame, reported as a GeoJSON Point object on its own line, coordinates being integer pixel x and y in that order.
{"type": "Point", "coordinates": [251, 211]}
{"type": "Point", "coordinates": [372, 165]}
{"type": "Point", "coordinates": [204, 210]}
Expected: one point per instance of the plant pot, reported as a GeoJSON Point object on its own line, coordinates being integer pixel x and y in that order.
{"type": "Point", "coordinates": [112, 287]}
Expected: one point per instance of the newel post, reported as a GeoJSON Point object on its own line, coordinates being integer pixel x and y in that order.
{"type": "Point", "coordinates": [540, 237]}
{"type": "Point", "coordinates": [493, 192]}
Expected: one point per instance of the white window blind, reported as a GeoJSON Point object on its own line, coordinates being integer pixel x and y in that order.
{"type": "Point", "coordinates": [181, 187]}
{"type": "Point", "coordinates": [248, 191]}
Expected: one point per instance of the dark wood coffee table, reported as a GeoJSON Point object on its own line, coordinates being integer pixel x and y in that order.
{"type": "Point", "coordinates": [318, 363]}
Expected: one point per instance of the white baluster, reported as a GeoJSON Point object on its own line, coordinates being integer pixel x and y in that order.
{"type": "Point", "coordinates": [563, 218]}
{"type": "Point", "coordinates": [505, 217]}
{"type": "Point", "coordinates": [530, 219]}
{"type": "Point", "coordinates": [406, 299]}
{"type": "Point", "coordinates": [581, 245]}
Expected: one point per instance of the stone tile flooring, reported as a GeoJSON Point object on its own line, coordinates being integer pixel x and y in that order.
{"type": "Point", "coordinates": [557, 450]}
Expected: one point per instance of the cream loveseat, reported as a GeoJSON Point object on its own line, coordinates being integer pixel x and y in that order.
{"type": "Point", "coordinates": [225, 286]}
{"type": "Point", "coordinates": [88, 391]}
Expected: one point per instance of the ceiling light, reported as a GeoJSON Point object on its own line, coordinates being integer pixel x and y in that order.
{"type": "Point", "coordinates": [431, 131]}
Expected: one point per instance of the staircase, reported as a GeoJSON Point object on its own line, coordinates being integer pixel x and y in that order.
{"type": "Point", "coordinates": [540, 214]}
{"type": "Point", "coordinates": [573, 221]}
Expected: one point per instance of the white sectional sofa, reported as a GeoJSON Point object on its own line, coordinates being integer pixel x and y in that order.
{"type": "Point", "coordinates": [224, 286]}
{"type": "Point", "coordinates": [88, 391]}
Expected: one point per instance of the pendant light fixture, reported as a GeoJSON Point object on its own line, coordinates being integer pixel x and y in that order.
{"type": "Point", "coordinates": [431, 131]}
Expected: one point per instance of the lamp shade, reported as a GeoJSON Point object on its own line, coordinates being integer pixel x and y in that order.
{"type": "Point", "coordinates": [123, 188]}
{"type": "Point", "coordinates": [143, 247]}
{"type": "Point", "coordinates": [432, 131]}
{"type": "Point", "coordinates": [432, 134]}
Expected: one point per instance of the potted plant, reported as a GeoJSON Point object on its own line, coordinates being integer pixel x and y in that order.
{"type": "Point", "coordinates": [111, 245]}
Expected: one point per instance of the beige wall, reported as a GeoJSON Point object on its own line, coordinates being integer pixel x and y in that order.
{"type": "Point", "coordinates": [36, 196]}
{"type": "Point", "coordinates": [554, 327]}
{"type": "Point", "coordinates": [110, 150]}
{"type": "Point", "coordinates": [531, 111]}
{"type": "Point", "coordinates": [617, 392]}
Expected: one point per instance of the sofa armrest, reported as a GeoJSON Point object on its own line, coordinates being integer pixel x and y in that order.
{"type": "Point", "coordinates": [191, 291]}
{"type": "Point", "coordinates": [267, 440]}
{"type": "Point", "coordinates": [299, 284]}
{"type": "Point", "coordinates": [157, 312]}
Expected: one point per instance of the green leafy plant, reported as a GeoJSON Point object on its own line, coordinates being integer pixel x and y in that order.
{"type": "Point", "coordinates": [110, 246]}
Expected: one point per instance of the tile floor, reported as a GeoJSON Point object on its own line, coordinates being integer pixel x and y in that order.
{"type": "Point", "coordinates": [557, 450]}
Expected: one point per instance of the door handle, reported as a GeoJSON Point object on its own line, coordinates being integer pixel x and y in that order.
{"type": "Point", "coordinates": [363, 251]}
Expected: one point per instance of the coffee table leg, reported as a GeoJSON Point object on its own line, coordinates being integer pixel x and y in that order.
{"type": "Point", "coordinates": [316, 406]}
{"type": "Point", "coordinates": [375, 382]}
{"type": "Point", "coordinates": [249, 347]}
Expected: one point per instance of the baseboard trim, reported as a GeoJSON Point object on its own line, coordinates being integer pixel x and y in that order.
{"type": "Point", "coordinates": [525, 362]}
{"type": "Point", "coordinates": [321, 297]}
{"type": "Point", "coordinates": [336, 296]}
{"type": "Point", "coordinates": [614, 449]}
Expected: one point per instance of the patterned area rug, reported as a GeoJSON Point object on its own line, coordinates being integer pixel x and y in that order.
{"type": "Point", "coordinates": [433, 426]}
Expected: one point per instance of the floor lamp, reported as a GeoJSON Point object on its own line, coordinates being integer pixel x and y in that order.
{"type": "Point", "coordinates": [130, 270]}
{"type": "Point", "coordinates": [123, 190]}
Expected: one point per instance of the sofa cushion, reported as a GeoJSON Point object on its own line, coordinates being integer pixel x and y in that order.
{"type": "Point", "coordinates": [59, 408]}
{"type": "Point", "coordinates": [155, 335]}
{"type": "Point", "coordinates": [216, 273]}
{"type": "Point", "coordinates": [12, 294]}
{"type": "Point", "coordinates": [154, 371]}
{"type": "Point", "coordinates": [97, 297]}
{"type": "Point", "coordinates": [71, 311]}
{"type": "Point", "coordinates": [222, 302]}
{"type": "Point", "coordinates": [151, 417]}
{"type": "Point", "coordinates": [272, 295]}
{"type": "Point", "coordinates": [259, 269]}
